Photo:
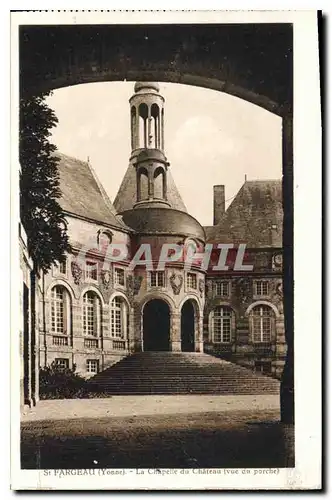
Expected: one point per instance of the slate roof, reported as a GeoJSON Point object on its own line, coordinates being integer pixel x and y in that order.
{"type": "Point", "coordinates": [255, 217]}
{"type": "Point", "coordinates": [82, 193]}
{"type": "Point", "coordinates": [126, 197]}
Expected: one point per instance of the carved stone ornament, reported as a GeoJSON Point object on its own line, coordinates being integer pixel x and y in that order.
{"type": "Point", "coordinates": [106, 278]}
{"type": "Point", "coordinates": [201, 287]}
{"type": "Point", "coordinates": [134, 284]}
{"type": "Point", "coordinates": [208, 289]}
{"type": "Point", "coordinates": [277, 261]}
{"type": "Point", "coordinates": [77, 272]}
{"type": "Point", "coordinates": [243, 289]}
{"type": "Point", "coordinates": [176, 281]}
{"type": "Point", "coordinates": [279, 289]}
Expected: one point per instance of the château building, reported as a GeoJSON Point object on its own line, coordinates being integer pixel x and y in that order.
{"type": "Point", "coordinates": [93, 310]}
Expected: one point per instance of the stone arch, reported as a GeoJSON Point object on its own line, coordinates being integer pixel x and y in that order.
{"type": "Point", "coordinates": [158, 295]}
{"type": "Point", "coordinates": [263, 78]}
{"type": "Point", "coordinates": [189, 325]}
{"type": "Point", "coordinates": [156, 325]}
{"type": "Point", "coordinates": [119, 294]}
{"type": "Point", "coordinates": [92, 288]}
{"type": "Point", "coordinates": [262, 303]}
{"type": "Point", "coordinates": [159, 182]}
{"type": "Point", "coordinates": [142, 183]}
{"type": "Point", "coordinates": [191, 296]}
{"type": "Point", "coordinates": [62, 282]}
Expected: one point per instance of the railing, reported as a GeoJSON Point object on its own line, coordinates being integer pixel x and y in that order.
{"type": "Point", "coordinates": [60, 341]}
{"type": "Point", "coordinates": [263, 347]}
{"type": "Point", "coordinates": [119, 345]}
{"type": "Point", "coordinates": [91, 343]}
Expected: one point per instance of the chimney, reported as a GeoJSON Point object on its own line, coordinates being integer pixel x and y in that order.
{"type": "Point", "coordinates": [218, 203]}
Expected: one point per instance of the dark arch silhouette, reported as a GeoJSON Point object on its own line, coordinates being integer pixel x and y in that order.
{"type": "Point", "coordinates": [253, 62]}
{"type": "Point", "coordinates": [188, 320]}
{"type": "Point", "coordinates": [156, 326]}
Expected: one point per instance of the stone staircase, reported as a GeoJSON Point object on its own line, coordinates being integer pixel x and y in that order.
{"type": "Point", "coordinates": [179, 373]}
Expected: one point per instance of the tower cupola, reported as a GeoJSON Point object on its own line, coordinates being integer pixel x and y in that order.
{"type": "Point", "coordinates": [147, 117]}
{"type": "Point", "coordinates": [147, 143]}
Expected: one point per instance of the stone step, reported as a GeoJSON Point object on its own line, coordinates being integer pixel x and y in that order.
{"type": "Point", "coordinates": [179, 373]}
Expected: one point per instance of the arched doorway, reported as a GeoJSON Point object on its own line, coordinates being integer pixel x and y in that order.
{"type": "Point", "coordinates": [156, 326]}
{"type": "Point", "coordinates": [188, 327]}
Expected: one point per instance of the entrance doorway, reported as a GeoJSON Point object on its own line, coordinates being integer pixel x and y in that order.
{"type": "Point", "coordinates": [188, 327]}
{"type": "Point", "coordinates": [156, 326]}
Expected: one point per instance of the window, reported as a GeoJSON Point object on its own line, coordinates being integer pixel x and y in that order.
{"type": "Point", "coordinates": [192, 281]}
{"type": "Point", "coordinates": [63, 267]}
{"type": "Point", "coordinates": [262, 323]}
{"type": "Point", "coordinates": [119, 276]}
{"type": "Point", "coordinates": [119, 320]}
{"type": "Point", "coordinates": [91, 343]}
{"type": "Point", "coordinates": [222, 288]}
{"type": "Point", "coordinates": [261, 288]}
{"type": "Point", "coordinates": [263, 367]}
{"type": "Point", "coordinates": [62, 363]}
{"type": "Point", "coordinates": [91, 314]}
{"type": "Point", "coordinates": [92, 365]}
{"type": "Point", "coordinates": [157, 278]}
{"type": "Point", "coordinates": [91, 271]}
{"type": "Point", "coordinates": [60, 310]}
{"type": "Point", "coordinates": [222, 324]}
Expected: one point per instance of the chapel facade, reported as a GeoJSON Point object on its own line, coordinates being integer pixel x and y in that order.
{"type": "Point", "coordinates": [94, 310]}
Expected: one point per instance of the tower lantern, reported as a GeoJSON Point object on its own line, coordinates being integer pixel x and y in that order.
{"type": "Point", "coordinates": [147, 144]}
{"type": "Point", "coordinates": [147, 117]}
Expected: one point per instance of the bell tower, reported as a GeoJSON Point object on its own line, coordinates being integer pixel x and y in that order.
{"type": "Point", "coordinates": [147, 145]}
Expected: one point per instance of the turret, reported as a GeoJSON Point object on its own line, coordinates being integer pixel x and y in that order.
{"type": "Point", "coordinates": [147, 142]}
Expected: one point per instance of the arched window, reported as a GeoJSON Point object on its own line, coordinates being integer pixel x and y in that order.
{"type": "Point", "coordinates": [143, 128]}
{"type": "Point", "coordinates": [91, 314]}
{"type": "Point", "coordinates": [262, 323]}
{"type": "Point", "coordinates": [143, 184]}
{"type": "Point", "coordinates": [60, 310]}
{"type": "Point", "coordinates": [158, 183]}
{"type": "Point", "coordinates": [133, 127]}
{"type": "Point", "coordinates": [119, 318]}
{"type": "Point", "coordinates": [154, 132]}
{"type": "Point", "coordinates": [223, 324]}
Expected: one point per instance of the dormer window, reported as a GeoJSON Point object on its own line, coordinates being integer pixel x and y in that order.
{"type": "Point", "coordinates": [91, 270]}
{"type": "Point", "coordinates": [63, 267]}
{"type": "Point", "coordinates": [119, 276]}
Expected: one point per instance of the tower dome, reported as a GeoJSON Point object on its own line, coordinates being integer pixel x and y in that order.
{"type": "Point", "coordinates": [146, 86]}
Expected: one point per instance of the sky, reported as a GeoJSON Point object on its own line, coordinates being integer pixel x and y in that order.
{"type": "Point", "coordinates": [210, 138]}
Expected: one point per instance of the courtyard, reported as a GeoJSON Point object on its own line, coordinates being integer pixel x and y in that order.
{"type": "Point", "coordinates": [185, 431]}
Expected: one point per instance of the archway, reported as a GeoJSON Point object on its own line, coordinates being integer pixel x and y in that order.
{"type": "Point", "coordinates": [156, 326]}
{"type": "Point", "coordinates": [188, 321]}
{"type": "Point", "coordinates": [257, 67]}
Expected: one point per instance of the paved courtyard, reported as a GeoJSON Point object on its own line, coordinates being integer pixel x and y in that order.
{"type": "Point", "coordinates": [156, 431]}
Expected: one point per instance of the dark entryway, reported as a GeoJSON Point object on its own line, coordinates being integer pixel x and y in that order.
{"type": "Point", "coordinates": [156, 324]}
{"type": "Point", "coordinates": [188, 327]}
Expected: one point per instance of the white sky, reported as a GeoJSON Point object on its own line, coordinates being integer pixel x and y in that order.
{"type": "Point", "coordinates": [210, 138]}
